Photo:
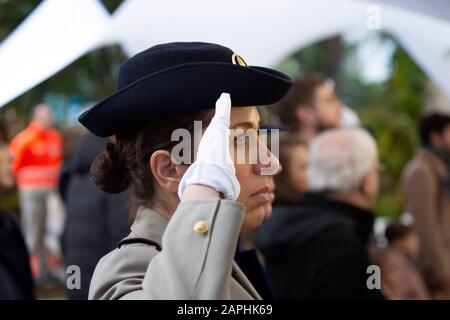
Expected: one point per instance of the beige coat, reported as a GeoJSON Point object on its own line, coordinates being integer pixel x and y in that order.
{"type": "Point", "coordinates": [427, 201]}
{"type": "Point", "coordinates": [196, 261]}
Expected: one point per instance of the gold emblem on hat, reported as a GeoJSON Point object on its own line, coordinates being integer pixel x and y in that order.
{"type": "Point", "coordinates": [237, 59]}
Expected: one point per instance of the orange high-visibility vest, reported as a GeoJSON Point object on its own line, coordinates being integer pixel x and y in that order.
{"type": "Point", "coordinates": [38, 155]}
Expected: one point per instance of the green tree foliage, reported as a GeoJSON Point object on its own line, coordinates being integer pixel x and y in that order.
{"type": "Point", "coordinates": [394, 121]}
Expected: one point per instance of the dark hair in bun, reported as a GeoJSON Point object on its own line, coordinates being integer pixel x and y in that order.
{"type": "Point", "coordinates": [109, 172]}
{"type": "Point", "coordinates": [125, 163]}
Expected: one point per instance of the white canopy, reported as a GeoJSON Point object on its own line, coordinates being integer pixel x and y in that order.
{"type": "Point", "coordinates": [263, 31]}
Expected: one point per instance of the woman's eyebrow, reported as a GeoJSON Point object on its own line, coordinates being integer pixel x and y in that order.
{"type": "Point", "coordinates": [247, 124]}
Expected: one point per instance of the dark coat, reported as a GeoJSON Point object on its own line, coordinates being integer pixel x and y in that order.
{"type": "Point", "coordinates": [16, 282]}
{"type": "Point", "coordinates": [318, 250]}
{"type": "Point", "coordinates": [250, 265]}
{"type": "Point", "coordinates": [96, 221]}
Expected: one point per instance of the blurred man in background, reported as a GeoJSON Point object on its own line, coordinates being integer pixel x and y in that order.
{"type": "Point", "coordinates": [310, 107]}
{"type": "Point", "coordinates": [319, 248]}
{"type": "Point", "coordinates": [37, 154]}
{"type": "Point", "coordinates": [292, 182]}
{"type": "Point", "coordinates": [427, 191]}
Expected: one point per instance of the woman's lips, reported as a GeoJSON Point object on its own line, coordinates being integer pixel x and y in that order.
{"type": "Point", "coordinates": [263, 194]}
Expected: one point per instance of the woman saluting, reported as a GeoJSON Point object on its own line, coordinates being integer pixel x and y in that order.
{"type": "Point", "coordinates": [187, 217]}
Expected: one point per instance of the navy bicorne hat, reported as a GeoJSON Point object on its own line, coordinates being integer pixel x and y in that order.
{"type": "Point", "coordinates": [178, 78]}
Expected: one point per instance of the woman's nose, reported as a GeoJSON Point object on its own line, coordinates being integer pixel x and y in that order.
{"type": "Point", "coordinates": [268, 164]}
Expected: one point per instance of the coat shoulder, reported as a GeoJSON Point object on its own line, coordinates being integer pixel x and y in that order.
{"type": "Point", "coordinates": [418, 172]}
{"type": "Point", "coordinates": [121, 272]}
{"type": "Point", "coordinates": [421, 164]}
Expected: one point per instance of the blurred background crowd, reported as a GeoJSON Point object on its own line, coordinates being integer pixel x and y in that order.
{"type": "Point", "coordinates": [365, 152]}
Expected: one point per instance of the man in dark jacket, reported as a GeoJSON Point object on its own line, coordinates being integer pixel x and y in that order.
{"type": "Point", "coordinates": [96, 220]}
{"type": "Point", "coordinates": [318, 249]}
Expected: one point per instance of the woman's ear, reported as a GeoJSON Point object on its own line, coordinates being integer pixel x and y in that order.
{"type": "Point", "coordinates": [369, 185]}
{"type": "Point", "coordinates": [165, 171]}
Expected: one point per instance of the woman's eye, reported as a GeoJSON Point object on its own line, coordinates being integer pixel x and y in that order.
{"type": "Point", "coordinates": [246, 138]}
{"type": "Point", "coordinates": [240, 139]}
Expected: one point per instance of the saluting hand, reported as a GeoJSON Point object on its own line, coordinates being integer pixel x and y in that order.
{"type": "Point", "coordinates": [213, 166]}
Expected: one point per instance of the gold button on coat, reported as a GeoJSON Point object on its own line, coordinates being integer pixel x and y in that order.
{"type": "Point", "coordinates": [201, 226]}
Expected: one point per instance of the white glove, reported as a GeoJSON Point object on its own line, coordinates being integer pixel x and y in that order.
{"type": "Point", "coordinates": [213, 166]}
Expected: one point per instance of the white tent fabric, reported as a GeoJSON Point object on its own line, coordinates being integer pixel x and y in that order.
{"type": "Point", "coordinates": [262, 31]}
{"type": "Point", "coordinates": [54, 35]}
{"type": "Point", "coordinates": [435, 8]}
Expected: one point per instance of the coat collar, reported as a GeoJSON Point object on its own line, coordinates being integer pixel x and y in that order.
{"type": "Point", "coordinates": [240, 277]}
{"type": "Point", "coordinates": [149, 224]}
